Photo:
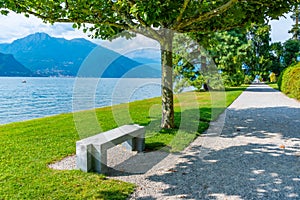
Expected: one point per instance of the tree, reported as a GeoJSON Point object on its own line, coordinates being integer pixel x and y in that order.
{"type": "Point", "coordinates": [296, 27]}
{"type": "Point", "coordinates": [276, 54]}
{"type": "Point", "coordinates": [155, 19]}
{"type": "Point", "coordinates": [225, 49]}
{"type": "Point", "coordinates": [258, 58]}
{"type": "Point", "coordinates": [187, 63]}
{"type": "Point", "coordinates": [291, 52]}
{"type": "Point", "coordinates": [229, 50]}
{"type": "Point", "coordinates": [234, 50]}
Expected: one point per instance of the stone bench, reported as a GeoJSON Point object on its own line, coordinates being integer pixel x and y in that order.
{"type": "Point", "coordinates": [91, 152]}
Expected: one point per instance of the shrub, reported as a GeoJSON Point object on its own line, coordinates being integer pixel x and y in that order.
{"type": "Point", "coordinates": [248, 79]}
{"type": "Point", "coordinates": [233, 80]}
{"type": "Point", "coordinates": [272, 77]}
{"type": "Point", "coordinates": [290, 82]}
{"type": "Point", "coordinates": [279, 81]}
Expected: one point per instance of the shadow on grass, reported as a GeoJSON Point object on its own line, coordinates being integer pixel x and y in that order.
{"type": "Point", "coordinates": [171, 141]}
{"type": "Point", "coordinates": [188, 127]}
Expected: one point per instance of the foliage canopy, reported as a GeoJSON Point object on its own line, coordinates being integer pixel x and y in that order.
{"type": "Point", "coordinates": [111, 17]}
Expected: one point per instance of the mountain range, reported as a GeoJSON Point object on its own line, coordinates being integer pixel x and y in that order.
{"type": "Point", "coordinates": [42, 55]}
{"type": "Point", "coordinates": [9, 66]}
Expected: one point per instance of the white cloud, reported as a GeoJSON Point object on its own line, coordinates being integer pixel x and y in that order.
{"type": "Point", "coordinates": [280, 28]}
{"type": "Point", "coordinates": [129, 47]}
{"type": "Point", "coordinates": [15, 26]}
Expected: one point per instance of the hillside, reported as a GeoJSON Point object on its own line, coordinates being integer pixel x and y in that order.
{"type": "Point", "coordinates": [48, 56]}
{"type": "Point", "coordinates": [9, 66]}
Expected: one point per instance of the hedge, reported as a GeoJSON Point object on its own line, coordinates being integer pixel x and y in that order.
{"type": "Point", "coordinates": [289, 81]}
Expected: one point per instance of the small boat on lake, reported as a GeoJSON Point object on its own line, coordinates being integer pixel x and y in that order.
{"type": "Point", "coordinates": [24, 81]}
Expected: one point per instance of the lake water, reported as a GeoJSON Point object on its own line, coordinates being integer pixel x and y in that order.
{"type": "Point", "coordinates": [40, 97]}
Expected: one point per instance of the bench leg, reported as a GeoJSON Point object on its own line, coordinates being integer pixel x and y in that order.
{"type": "Point", "coordinates": [138, 143]}
{"type": "Point", "coordinates": [135, 144]}
{"type": "Point", "coordinates": [91, 158]}
{"type": "Point", "coordinates": [83, 157]}
{"type": "Point", "coordinates": [99, 159]}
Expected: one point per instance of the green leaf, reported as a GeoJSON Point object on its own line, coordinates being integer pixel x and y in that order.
{"type": "Point", "coordinates": [4, 12]}
{"type": "Point", "coordinates": [145, 16]}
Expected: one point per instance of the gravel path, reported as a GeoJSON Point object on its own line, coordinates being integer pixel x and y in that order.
{"type": "Point", "coordinates": [251, 152]}
{"type": "Point", "coordinates": [256, 156]}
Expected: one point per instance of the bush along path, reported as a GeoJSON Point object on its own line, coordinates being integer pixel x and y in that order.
{"type": "Point", "coordinates": [289, 81]}
{"type": "Point", "coordinates": [251, 152]}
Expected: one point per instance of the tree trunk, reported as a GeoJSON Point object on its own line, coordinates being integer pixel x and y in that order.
{"type": "Point", "coordinates": [167, 82]}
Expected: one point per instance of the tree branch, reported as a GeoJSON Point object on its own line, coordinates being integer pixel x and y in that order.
{"type": "Point", "coordinates": [208, 15]}
{"type": "Point", "coordinates": [153, 34]}
{"type": "Point", "coordinates": [216, 29]}
{"type": "Point", "coordinates": [182, 10]}
{"type": "Point", "coordinates": [67, 4]}
{"type": "Point", "coordinates": [145, 31]}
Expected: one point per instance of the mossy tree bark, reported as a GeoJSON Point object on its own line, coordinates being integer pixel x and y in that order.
{"type": "Point", "coordinates": [167, 81]}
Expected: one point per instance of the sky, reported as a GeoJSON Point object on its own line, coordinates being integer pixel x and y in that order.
{"type": "Point", "coordinates": [280, 28]}
{"type": "Point", "coordinates": [15, 26]}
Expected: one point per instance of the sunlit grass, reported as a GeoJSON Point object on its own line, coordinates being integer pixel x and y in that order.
{"type": "Point", "coordinates": [27, 148]}
{"type": "Point", "coordinates": [274, 85]}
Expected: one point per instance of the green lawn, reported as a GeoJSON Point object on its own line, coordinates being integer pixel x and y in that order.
{"type": "Point", "coordinates": [273, 85]}
{"type": "Point", "coordinates": [28, 147]}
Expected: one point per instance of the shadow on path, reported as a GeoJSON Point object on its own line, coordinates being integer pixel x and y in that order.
{"type": "Point", "coordinates": [257, 156]}
{"type": "Point", "coordinates": [252, 171]}
{"type": "Point", "coordinates": [258, 88]}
